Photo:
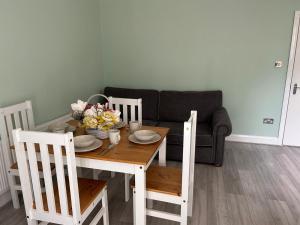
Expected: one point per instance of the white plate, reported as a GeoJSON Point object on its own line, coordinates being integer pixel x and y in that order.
{"type": "Point", "coordinates": [97, 144]}
{"type": "Point", "coordinates": [133, 139]}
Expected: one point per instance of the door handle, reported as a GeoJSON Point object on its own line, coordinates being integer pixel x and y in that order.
{"type": "Point", "coordinates": [295, 89]}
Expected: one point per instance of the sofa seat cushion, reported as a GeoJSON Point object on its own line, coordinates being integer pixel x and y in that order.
{"type": "Point", "coordinates": [175, 135]}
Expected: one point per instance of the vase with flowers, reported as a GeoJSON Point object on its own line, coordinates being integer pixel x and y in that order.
{"type": "Point", "coordinates": [97, 118]}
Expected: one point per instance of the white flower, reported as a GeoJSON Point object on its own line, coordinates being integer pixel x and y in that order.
{"type": "Point", "coordinates": [79, 106]}
{"type": "Point", "coordinates": [91, 112]}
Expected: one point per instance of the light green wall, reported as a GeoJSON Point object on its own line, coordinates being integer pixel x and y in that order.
{"type": "Point", "coordinates": [203, 45]}
{"type": "Point", "coordinates": [49, 53]}
{"type": "Point", "coordinates": [54, 52]}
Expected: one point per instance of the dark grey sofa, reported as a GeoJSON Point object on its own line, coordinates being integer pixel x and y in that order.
{"type": "Point", "coordinates": [172, 108]}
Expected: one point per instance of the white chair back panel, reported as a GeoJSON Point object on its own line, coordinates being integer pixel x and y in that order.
{"type": "Point", "coordinates": [131, 109]}
{"type": "Point", "coordinates": [14, 117]}
{"type": "Point", "coordinates": [30, 180]}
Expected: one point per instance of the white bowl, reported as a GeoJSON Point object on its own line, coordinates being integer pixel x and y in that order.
{"type": "Point", "coordinates": [144, 135]}
{"type": "Point", "coordinates": [83, 141]}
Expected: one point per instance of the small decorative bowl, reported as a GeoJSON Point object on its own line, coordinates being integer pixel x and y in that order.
{"type": "Point", "coordinates": [97, 133]}
{"type": "Point", "coordinates": [58, 127]}
{"type": "Point", "coordinates": [83, 141]}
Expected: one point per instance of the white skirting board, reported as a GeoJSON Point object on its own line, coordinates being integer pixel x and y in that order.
{"type": "Point", "coordinates": [254, 139]}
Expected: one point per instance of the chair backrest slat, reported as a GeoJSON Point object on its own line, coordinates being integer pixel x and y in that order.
{"type": "Point", "coordinates": [188, 162]}
{"type": "Point", "coordinates": [24, 120]}
{"type": "Point", "coordinates": [34, 172]}
{"type": "Point", "coordinates": [117, 107]}
{"type": "Point", "coordinates": [140, 111]}
{"type": "Point", "coordinates": [132, 112]}
{"type": "Point", "coordinates": [17, 120]}
{"type": "Point", "coordinates": [125, 112]}
{"type": "Point", "coordinates": [30, 115]}
{"type": "Point", "coordinates": [47, 177]}
{"type": "Point", "coordinates": [9, 128]}
{"type": "Point", "coordinates": [24, 173]}
{"type": "Point", "coordinates": [62, 146]}
{"type": "Point", "coordinates": [59, 165]}
{"type": "Point", "coordinates": [129, 107]}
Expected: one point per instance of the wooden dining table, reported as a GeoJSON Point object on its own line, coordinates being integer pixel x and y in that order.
{"type": "Point", "coordinates": [126, 157]}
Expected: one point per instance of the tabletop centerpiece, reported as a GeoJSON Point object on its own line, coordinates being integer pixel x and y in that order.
{"type": "Point", "coordinates": [96, 118]}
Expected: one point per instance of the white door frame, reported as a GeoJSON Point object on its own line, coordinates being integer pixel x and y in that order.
{"type": "Point", "coordinates": [289, 77]}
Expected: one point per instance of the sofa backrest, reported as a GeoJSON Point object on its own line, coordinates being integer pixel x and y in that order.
{"type": "Point", "coordinates": [150, 99]}
{"type": "Point", "coordinates": [177, 105]}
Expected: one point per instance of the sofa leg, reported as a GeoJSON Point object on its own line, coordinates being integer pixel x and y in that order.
{"type": "Point", "coordinates": [218, 164]}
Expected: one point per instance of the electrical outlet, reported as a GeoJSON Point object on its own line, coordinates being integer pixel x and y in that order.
{"type": "Point", "coordinates": [278, 64]}
{"type": "Point", "coordinates": [268, 121]}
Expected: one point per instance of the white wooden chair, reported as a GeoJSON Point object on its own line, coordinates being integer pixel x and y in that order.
{"type": "Point", "coordinates": [174, 185]}
{"type": "Point", "coordinates": [68, 200]}
{"type": "Point", "coordinates": [13, 117]}
{"type": "Point", "coordinates": [128, 109]}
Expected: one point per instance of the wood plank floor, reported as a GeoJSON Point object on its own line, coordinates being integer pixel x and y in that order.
{"type": "Point", "coordinates": [258, 185]}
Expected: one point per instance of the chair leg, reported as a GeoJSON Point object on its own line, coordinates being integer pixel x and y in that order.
{"type": "Point", "coordinates": [105, 206]}
{"type": "Point", "coordinates": [191, 199]}
{"type": "Point", "coordinates": [127, 187]}
{"type": "Point", "coordinates": [14, 192]}
{"type": "Point", "coordinates": [133, 198]}
{"type": "Point", "coordinates": [184, 213]}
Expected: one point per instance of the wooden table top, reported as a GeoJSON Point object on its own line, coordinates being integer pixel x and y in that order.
{"type": "Point", "coordinates": [125, 151]}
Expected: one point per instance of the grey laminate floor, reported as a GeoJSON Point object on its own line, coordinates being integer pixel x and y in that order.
{"type": "Point", "coordinates": [258, 185]}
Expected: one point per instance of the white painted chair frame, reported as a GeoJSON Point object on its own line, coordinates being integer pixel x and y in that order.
{"type": "Point", "coordinates": [27, 160]}
{"type": "Point", "coordinates": [188, 165]}
{"type": "Point", "coordinates": [123, 105]}
{"type": "Point", "coordinates": [13, 117]}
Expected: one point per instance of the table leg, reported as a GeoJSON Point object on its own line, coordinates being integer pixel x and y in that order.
{"type": "Point", "coordinates": [140, 195]}
{"type": "Point", "coordinates": [163, 152]}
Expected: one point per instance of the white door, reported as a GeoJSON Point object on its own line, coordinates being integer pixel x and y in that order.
{"type": "Point", "coordinates": [292, 126]}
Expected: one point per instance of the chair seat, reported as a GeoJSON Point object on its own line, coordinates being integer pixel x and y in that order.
{"type": "Point", "coordinates": [39, 164]}
{"type": "Point", "coordinates": [166, 180]}
{"type": "Point", "coordinates": [88, 191]}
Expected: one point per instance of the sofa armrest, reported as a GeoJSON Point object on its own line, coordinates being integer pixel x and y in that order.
{"type": "Point", "coordinates": [221, 123]}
